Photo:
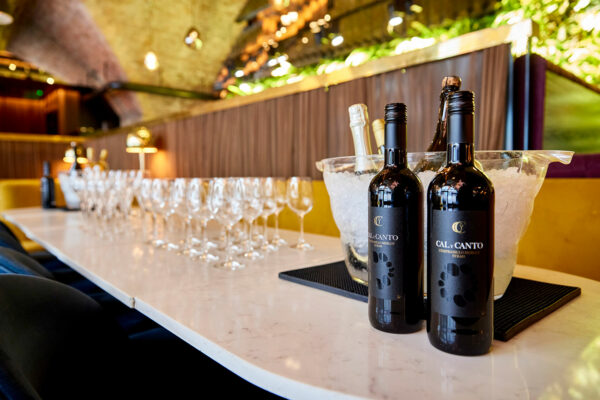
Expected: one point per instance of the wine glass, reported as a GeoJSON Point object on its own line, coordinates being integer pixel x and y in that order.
{"type": "Point", "coordinates": [252, 208]}
{"type": "Point", "coordinates": [145, 202]}
{"type": "Point", "coordinates": [268, 193]}
{"type": "Point", "coordinates": [158, 197]}
{"type": "Point", "coordinates": [300, 201]}
{"type": "Point", "coordinates": [175, 209]}
{"type": "Point", "coordinates": [199, 208]}
{"type": "Point", "coordinates": [279, 189]}
{"type": "Point", "coordinates": [225, 202]}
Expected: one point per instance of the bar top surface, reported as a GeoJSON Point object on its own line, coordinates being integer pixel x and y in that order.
{"type": "Point", "coordinates": [299, 342]}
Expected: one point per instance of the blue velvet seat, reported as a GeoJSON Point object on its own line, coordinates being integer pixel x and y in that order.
{"type": "Point", "coordinates": [57, 343]}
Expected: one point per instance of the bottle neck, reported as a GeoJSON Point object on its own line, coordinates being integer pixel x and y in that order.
{"type": "Point", "coordinates": [440, 136]}
{"type": "Point", "coordinates": [395, 144]}
{"type": "Point", "coordinates": [460, 148]}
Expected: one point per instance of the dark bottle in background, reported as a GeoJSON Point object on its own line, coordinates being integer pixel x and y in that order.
{"type": "Point", "coordinates": [47, 187]}
{"type": "Point", "coordinates": [450, 84]}
{"type": "Point", "coordinates": [395, 257]}
{"type": "Point", "coordinates": [460, 258]}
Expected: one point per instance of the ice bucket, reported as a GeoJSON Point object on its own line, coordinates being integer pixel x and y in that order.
{"type": "Point", "coordinates": [517, 177]}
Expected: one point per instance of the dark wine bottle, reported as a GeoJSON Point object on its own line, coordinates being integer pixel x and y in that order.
{"type": "Point", "coordinates": [460, 242]}
{"type": "Point", "coordinates": [47, 187]}
{"type": "Point", "coordinates": [395, 235]}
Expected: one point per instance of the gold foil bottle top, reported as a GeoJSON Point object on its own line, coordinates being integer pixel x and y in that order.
{"type": "Point", "coordinates": [358, 114]}
{"type": "Point", "coordinates": [379, 132]}
{"type": "Point", "coordinates": [451, 81]}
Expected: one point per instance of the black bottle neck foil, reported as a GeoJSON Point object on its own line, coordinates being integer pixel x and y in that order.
{"type": "Point", "coordinates": [461, 149]}
{"type": "Point", "coordinates": [395, 134]}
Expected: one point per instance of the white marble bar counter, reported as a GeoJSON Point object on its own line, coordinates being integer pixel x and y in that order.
{"type": "Point", "coordinates": [301, 342]}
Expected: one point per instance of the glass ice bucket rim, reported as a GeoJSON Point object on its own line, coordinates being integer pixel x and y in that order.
{"type": "Point", "coordinates": [338, 164]}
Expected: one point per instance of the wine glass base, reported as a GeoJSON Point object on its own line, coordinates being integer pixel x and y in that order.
{"type": "Point", "coordinates": [269, 248]}
{"type": "Point", "coordinates": [203, 256]}
{"type": "Point", "coordinates": [158, 243]}
{"type": "Point", "coordinates": [279, 242]}
{"type": "Point", "coordinates": [231, 265]}
{"type": "Point", "coordinates": [252, 255]}
{"type": "Point", "coordinates": [303, 246]}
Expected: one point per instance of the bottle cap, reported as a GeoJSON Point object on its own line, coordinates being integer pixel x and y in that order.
{"type": "Point", "coordinates": [462, 102]}
{"type": "Point", "coordinates": [395, 112]}
{"type": "Point", "coordinates": [451, 81]}
{"type": "Point", "coordinates": [358, 114]}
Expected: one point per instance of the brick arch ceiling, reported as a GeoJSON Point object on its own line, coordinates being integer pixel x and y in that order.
{"type": "Point", "coordinates": [92, 42]}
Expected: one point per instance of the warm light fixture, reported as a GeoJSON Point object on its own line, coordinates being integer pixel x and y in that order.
{"type": "Point", "coordinates": [337, 40]}
{"type": "Point", "coordinates": [50, 81]}
{"type": "Point", "coordinates": [141, 141]}
{"type": "Point", "coordinates": [12, 66]}
{"type": "Point", "coordinates": [151, 61]}
{"type": "Point", "coordinates": [192, 39]}
{"type": "Point", "coordinates": [72, 151]}
{"type": "Point", "coordinates": [6, 17]}
{"type": "Point", "coordinates": [395, 20]}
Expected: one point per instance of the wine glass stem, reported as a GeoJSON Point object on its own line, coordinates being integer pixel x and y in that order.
{"type": "Point", "coordinates": [301, 239]}
{"type": "Point", "coordinates": [264, 229]}
{"type": "Point", "coordinates": [204, 237]}
{"type": "Point", "coordinates": [228, 250]}
{"type": "Point", "coordinates": [250, 233]}
{"type": "Point", "coordinates": [188, 232]}
{"type": "Point", "coordinates": [276, 225]}
{"type": "Point", "coordinates": [154, 226]}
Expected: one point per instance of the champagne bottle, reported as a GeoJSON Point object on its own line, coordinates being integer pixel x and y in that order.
{"type": "Point", "coordinates": [359, 125]}
{"type": "Point", "coordinates": [76, 166]}
{"type": "Point", "coordinates": [47, 187]}
{"type": "Point", "coordinates": [379, 133]}
{"type": "Point", "coordinates": [395, 256]}
{"type": "Point", "coordinates": [460, 245]}
{"type": "Point", "coordinates": [102, 160]}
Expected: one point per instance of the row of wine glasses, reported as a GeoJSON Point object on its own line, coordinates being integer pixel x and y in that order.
{"type": "Point", "coordinates": [174, 213]}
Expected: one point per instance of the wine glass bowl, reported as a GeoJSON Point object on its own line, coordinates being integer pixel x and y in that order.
{"type": "Point", "coordinates": [299, 195]}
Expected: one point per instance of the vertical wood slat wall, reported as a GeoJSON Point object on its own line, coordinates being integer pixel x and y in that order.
{"type": "Point", "coordinates": [285, 136]}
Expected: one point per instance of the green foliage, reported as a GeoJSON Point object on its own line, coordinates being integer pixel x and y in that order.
{"type": "Point", "coordinates": [569, 36]}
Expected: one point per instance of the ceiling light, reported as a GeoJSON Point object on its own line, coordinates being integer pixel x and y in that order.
{"type": "Point", "coordinates": [151, 61]}
{"type": "Point", "coordinates": [50, 81]}
{"type": "Point", "coordinates": [239, 73]}
{"type": "Point", "coordinates": [12, 66]}
{"type": "Point", "coordinates": [337, 40]}
{"type": "Point", "coordinates": [327, 17]}
{"type": "Point", "coordinates": [192, 39]}
{"type": "Point", "coordinates": [6, 17]}
{"type": "Point", "coordinates": [304, 40]}
{"type": "Point", "coordinates": [395, 20]}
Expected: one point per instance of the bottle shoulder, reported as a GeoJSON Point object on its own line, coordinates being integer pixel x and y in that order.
{"type": "Point", "coordinates": [394, 178]}
{"type": "Point", "coordinates": [458, 186]}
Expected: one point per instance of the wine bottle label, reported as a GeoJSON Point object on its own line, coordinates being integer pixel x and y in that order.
{"type": "Point", "coordinates": [385, 252]}
{"type": "Point", "coordinates": [461, 271]}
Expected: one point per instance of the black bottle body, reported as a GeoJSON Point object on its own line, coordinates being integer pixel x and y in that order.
{"type": "Point", "coordinates": [460, 257]}
{"type": "Point", "coordinates": [396, 247]}
{"type": "Point", "coordinates": [47, 188]}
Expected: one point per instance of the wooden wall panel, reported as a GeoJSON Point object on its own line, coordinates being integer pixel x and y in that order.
{"type": "Point", "coordinates": [22, 115]}
{"type": "Point", "coordinates": [22, 160]}
{"type": "Point", "coordinates": [286, 135]}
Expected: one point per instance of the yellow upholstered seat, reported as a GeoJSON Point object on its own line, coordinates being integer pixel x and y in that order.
{"type": "Point", "coordinates": [20, 193]}
{"type": "Point", "coordinates": [563, 234]}
{"type": "Point", "coordinates": [565, 228]}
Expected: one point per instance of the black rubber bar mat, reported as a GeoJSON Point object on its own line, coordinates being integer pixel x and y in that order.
{"type": "Point", "coordinates": [524, 302]}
